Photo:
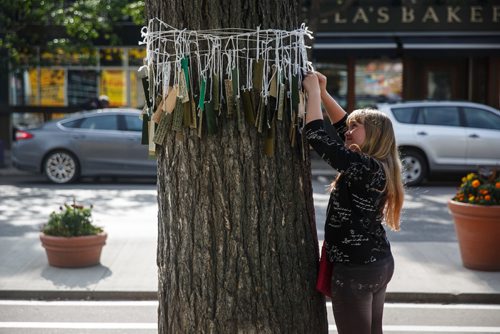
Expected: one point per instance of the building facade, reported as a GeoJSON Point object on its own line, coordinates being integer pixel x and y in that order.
{"type": "Point", "coordinates": [385, 50]}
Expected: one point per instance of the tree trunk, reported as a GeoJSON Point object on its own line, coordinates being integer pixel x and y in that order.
{"type": "Point", "coordinates": [237, 244]}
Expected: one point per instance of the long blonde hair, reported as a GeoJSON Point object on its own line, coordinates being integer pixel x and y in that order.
{"type": "Point", "coordinates": [380, 143]}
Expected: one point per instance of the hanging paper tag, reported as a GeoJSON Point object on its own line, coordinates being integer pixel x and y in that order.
{"type": "Point", "coordinates": [292, 130]}
{"type": "Point", "coordinates": [295, 92]}
{"type": "Point", "coordinates": [162, 129]}
{"type": "Point", "coordinates": [151, 143]}
{"type": "Point", "coordinates": [159, 111]}
{"type": "Point", "coordinates": [211, 120]}
{"type": "Point", "coordinates": [145, 86]}
{"type": "Point", "coordinates": [281, 102]}
{"type": "Point", "coordinates": [235, 78]}
{"type": "Point", "coordinates": [145, 129]}
{"type": "Point", "coordinates": [201, 102]}
{"type": "Point", "coordinates": [187, 114]}
{"type": "Point", "coordinates": [178, 116]}
{"type": "Point", "coordinates": [228, 85]}
{"type": "Point", "coordinates": [183, 91]}
{"type": "Point", "coordinates": [185, 68]}
{"type": "Point", "coordinates": [302, 106]}
{"type": "Point", "coordinates": [261, 114]}
{"type": "Point", "coordinates": [216, 91]}
{"type": "Point", "coordinates": [169, 104]}
{"type": "Point", "coordinates": [193, 115]}
{"type": "Point", "coordinates": [273, 89]}
{"type": "Point", "coordinates": [246, 98]}
{"type": "Point", "coordinates": [258, 72]}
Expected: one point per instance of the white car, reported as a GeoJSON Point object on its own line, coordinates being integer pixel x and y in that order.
{"type": "Point", "coordinates": [444, 136]}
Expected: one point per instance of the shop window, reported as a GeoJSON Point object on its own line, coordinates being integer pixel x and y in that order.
{"type": "Point", "coordinates": [52, 87]}
{"type": "Point", "coordinates": [378, 81]}
{"type": "Point", "coordinates": [113, 85]}
{"type": "Point", "coordinates": [137, 99]}
{"type": "Point", "coordinates": [439, 85]}
{"type": "Point", "coordinates": [31, 87]}
{"type": "Point", "coordinates": [111, 57]}
{"type": "Point", "coordinates": [136, 56]}
{"type": "Point", "coordinates": [82, 87]}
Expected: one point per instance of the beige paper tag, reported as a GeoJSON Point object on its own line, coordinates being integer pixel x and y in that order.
{"type": "Point", "coordinates": [302, 106]}
{"type": "Point", "coordinates": [273, 89]}
{"type": "Point", "coordinates": [169, 104]}
{"type": "Point", "coordinates": [159, 111]}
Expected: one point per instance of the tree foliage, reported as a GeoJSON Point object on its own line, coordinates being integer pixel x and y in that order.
{"type": "Point", "coordinates": [53, 24]}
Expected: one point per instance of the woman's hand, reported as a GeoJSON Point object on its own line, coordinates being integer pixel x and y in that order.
{"type": "Point", "coordinates": [311, 84]}
{"type": "Point", "coordinates": [322, 82]}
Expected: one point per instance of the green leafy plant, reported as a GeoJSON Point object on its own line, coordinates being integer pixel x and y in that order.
{"type": "Point", "coordinates": [480, 188]}
{"type": "Point", "coordinates": [72, 220]}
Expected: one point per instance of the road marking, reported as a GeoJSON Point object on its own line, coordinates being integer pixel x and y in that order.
{"type": "Point", "coordinates": [80, 325]}
{"type": "Point", "coordinates": [77, 303]}
{"type": "Point", "coordinates": [148, 325]}
{"type": "Point", "coordinates": [435, 329]}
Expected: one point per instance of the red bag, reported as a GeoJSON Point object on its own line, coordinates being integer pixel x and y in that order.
{"type": "Point", "coordinates": [323, 283]}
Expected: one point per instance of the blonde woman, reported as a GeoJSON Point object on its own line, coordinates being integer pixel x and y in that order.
{"type": "Point", "coordinates": [367, 192]}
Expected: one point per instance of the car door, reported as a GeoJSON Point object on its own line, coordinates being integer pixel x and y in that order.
{"type": "Point", "coordinates": [102, 147]}
{"type": "Point", "coordinates": [483, 137]}
{"type": "Point", "coordinates": [137, 162]}
{"type": "Point", "coordinates": [438, 130]}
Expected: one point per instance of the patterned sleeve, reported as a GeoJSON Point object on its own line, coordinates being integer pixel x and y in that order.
{"type": "Point", "coordinates": [331, 150]}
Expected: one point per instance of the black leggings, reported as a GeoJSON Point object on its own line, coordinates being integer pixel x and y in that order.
{"type": "Point", "coordinates": [358, 295]}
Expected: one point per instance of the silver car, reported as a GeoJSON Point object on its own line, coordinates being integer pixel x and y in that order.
{"type": "Point", "coordinates": [447, 136]}
{"type": "Point", "coordinates": [95, 143]}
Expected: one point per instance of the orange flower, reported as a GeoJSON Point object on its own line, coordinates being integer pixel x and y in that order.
{"type": "Point", "coordinates": [483, 191]}
{"type": "Point", "coordinates": [487, 197]}
{"type": "Point", "coordinates": [497, 185]}
{"type": "Point", "coordinates": [475, 183]}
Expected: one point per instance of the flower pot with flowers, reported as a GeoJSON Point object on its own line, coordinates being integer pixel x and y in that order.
{"type": "Point", "coordinates": [70, 239]}
{"type": "Point", "coordinates": [476, 213]}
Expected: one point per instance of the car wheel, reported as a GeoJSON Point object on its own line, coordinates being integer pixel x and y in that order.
{"type": "Point", "coordinates": [414, 167]}
{"type": "Point", "coordinates": [61, 167]}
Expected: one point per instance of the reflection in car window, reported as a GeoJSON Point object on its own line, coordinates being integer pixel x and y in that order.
{"type": "Point", "coordinates": [105, 122]}
{"type": "Point", "coordinates": [483, 119]}
{"type": "Point", "coordinates": [72, 124]}
{"type": "Point", "coordinates": [133, 123]}
{"type": "Point", "coordinates": [446, 116]}
{"type": "Point", "coordinates": [403, 115]}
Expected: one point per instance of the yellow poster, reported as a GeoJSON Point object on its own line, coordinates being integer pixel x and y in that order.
{"type": "Point", "coordinates": [52, 87]}
{"type": "Point", "coordinates": [113, 86]}
{"type": "Point", "coordinates": [32, 87]}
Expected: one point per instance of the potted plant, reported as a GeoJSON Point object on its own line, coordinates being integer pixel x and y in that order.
{"type": "Point", "coordinates": [476, 213]}
{"type": "Point", "coordinates": [71, 239]}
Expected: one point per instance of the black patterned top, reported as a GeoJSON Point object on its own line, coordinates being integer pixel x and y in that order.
{"type": "Point", "coordinates": [353, 229]}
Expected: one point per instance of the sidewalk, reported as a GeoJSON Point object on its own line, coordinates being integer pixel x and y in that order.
{"type": "Point", "coordinates": [425, 271]}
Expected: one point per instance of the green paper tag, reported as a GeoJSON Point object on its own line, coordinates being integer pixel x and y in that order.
{"type": "Point", "coordinates": [201, 102]}
{"type": "Point", "coordinates": [211, 119]}
{"type": "Point", "coordinates": [145, 131]}
{"type": "Point", "coordinates": [162, 129]}
{"type": "Point", "coordinates": [216, 91]}
{"type": "Point", "coordinates": [185, 68]}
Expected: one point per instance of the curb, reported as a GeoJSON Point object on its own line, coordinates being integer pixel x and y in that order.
{"type": "Point", "coordinates": [391, 297]}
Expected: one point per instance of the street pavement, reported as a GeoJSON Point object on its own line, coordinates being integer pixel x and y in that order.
{"type": "Point", "coordinates": [428, 265]}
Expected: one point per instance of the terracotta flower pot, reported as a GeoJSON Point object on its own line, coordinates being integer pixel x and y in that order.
{"type": "Point", "coordinates": [478, 233]}
{"type": "Point", "coordinates": [73, 252]}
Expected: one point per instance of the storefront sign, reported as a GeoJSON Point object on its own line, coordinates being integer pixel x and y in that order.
{"type": "Point", "coordinates": [343, 16]}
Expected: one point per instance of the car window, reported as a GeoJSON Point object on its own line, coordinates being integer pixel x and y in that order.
{"type": "Point", "coordinates": [480, 118]}
{"type": "Point", "coordinates": [72, 124]}
{"type": "Point", "coordinates": [104, 122]}
{"type": "Point", "coordinates": [445, 116]}
{"type": "Point", "coordinates": [403, 115]}
{"type": "Point", "coordinates": [133, 123]}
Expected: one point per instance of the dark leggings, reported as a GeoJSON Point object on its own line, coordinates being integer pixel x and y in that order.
{"type": "Point", "coordinates": [358, 295]}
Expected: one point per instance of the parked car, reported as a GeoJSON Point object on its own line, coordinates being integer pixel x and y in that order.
{"type": "Point", "coordinates": [445, 136]}
{"type": "Point", "coordinates": [95, 143]}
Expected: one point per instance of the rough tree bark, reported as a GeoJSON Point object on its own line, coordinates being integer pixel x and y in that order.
{"type": "Point", "coordinates": [237, 244]}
